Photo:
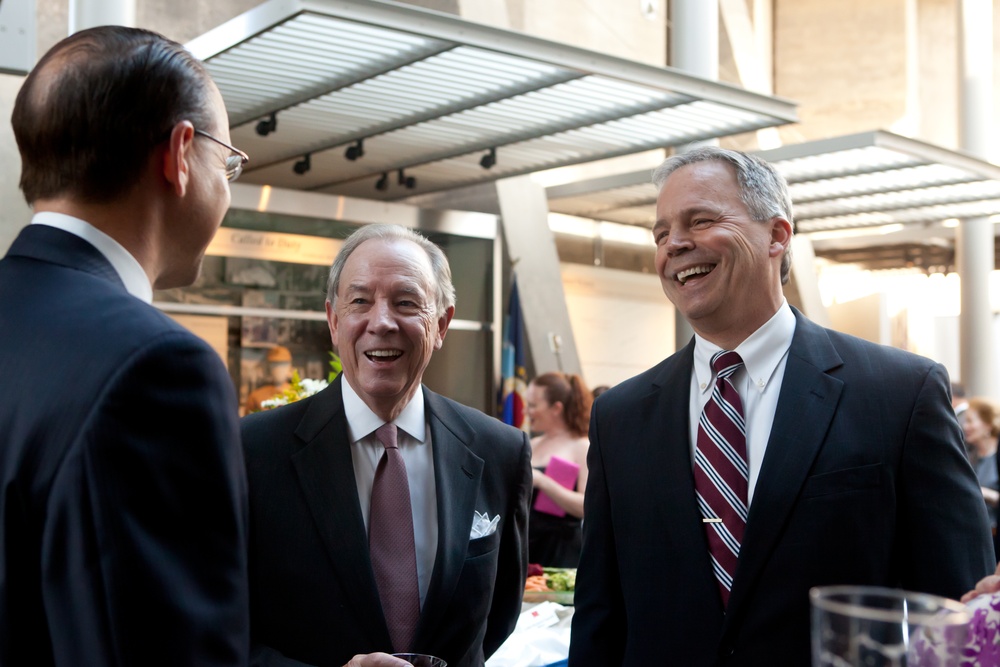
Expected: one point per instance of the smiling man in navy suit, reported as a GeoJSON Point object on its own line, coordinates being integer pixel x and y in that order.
{"type": "Point", "coordinates": [767, 456]}
{"type": "Point", "coordinates": [123, 503]}
{"type": "Point", "coordinates": [325, 582]}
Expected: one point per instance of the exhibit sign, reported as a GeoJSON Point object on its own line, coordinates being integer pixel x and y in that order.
{"type": "Point", "coordinates": [274, 246]}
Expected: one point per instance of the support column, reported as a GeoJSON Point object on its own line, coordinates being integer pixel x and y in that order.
{"type": "Point", "coordinates": [85, 14]}
{"type": "Point", "coordinates": [694, 37]}
{"type": "Point", "coordinates": [532, 249]}
{"type": "Point", "coordinates": [974, 238]}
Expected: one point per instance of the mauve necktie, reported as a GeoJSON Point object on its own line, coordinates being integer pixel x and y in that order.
{"type": "Point", "coordinates": [391, 545]}
{"type": "Point", "coordinates": [721, 471]}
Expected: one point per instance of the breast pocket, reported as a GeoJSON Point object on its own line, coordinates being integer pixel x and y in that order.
{"type": "Point", "coordinates": [484, 545]}
{"type": "Point", "coordinates": [842, 481]}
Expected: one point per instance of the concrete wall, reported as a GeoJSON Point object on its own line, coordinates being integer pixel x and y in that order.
{"type": "Point", "coordinates": [844, 62]}
{"type": "Point", "coordinates": [622, 322]}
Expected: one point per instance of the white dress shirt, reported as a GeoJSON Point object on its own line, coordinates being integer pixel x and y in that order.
{"type": "Point", "coordinates": [414, 441]}
{"type": "Point", "coordinates": [764, 355]}
{"type": "Point", "coordinates": [125, 265]}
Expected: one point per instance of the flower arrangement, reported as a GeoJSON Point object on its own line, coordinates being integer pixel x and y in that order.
{"type": "Point", "coordinates": [303, 387]}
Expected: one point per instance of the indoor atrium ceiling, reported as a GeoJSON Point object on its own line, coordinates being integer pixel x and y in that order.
{"type": "Point", "coordinates": [874, 198]}
{"type": "Point", "coordinates": [381, 100]}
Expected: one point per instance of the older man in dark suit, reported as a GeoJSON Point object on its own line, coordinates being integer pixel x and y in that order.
{"type": "Point", "coordinates": [123, 504]}
{"type": "Point", "coordinates": [384, 517]}
{"type": "Point", "coordinates": [767, 456]}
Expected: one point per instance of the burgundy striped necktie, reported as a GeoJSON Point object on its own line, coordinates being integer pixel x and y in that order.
{"type": "Point", "coordinates": [391, 543]}
{"type": "Point", "coordinates": [721, 471]}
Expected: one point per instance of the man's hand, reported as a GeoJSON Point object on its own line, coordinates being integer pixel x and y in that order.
{"type": "Point", "coordinates": [376, 660]}
{"type": "Point", "coordinates": [990, 584]}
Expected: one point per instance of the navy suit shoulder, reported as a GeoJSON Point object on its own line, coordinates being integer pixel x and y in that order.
{"type": "Point", "coordinates": [121, 438]}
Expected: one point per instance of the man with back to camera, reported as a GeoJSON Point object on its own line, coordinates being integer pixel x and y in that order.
{"type": "Point", "coordinates": [123, 504]}
{"type": "Point", "coordinates": [384, 518]}
{"type": "Point", "coordinates": [767, 456]}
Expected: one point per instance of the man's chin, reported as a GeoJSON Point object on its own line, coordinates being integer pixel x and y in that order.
{"type": "Point", "coordinates": [178, 279]}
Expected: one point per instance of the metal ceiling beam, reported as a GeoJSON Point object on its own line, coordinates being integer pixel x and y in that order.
{"type": "Point", "coordinates": [536, 132]}
{"type": "Point", "coordinates": [921, 152]}
{"type": "Point", "coordinates": [446, 27]}
{"type": "Point", "coordinates": [414, 119]}
{"type": "Point", "coordinates": [332, 85]}
{"type": "Point", "coordinates": [600, 184]}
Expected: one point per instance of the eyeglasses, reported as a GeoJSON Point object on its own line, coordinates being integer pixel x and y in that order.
{"type": "Point", "coordinates": [235, 162]}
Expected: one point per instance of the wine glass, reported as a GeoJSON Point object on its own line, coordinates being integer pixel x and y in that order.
{"type": "Point", "coordinates": [867, 626]}
{"type": "Point", "coordinates": [421, 659]}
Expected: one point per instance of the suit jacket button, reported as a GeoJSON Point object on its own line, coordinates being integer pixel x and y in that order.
{"type": "Point", "coordinates": [726, 650]}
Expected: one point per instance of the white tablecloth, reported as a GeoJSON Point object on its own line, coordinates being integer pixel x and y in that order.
{"type": "Point", "coordinates": [540, 638]}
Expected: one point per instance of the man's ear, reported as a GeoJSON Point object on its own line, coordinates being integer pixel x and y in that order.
{"type": "Point", "coordinates": [781, 236]}
{"type": "Point", "coordinates": [177, 157]}
{"type": "Point", "coordinates": [442, 326]}
{"type": "Point", "coordinates": [332, 321]}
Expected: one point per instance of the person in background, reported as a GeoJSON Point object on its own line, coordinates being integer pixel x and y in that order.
{"type": "Point", "coordinates": [558, 407]}
{"type": "Point", "coordinates": [279, 369]}
{"type": "Point", "coordinates": [384, 517]}
{"type": "Point", "coordinates": [767, 456]}
{"type": "Point", "coordinates": [981, 425]}
{"type": "Point", "coordinates": [958, 399]}
{"type": "Point", "coordinates": [600, 390]}
{"type": "Point", "coordinates": [123, 513]}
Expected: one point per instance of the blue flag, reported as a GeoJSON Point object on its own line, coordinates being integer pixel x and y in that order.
{"type": "Point", "coordinates": [512, 370]}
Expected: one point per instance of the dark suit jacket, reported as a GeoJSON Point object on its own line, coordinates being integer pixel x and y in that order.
{"type": "Point", "coordinates": [312, 591]}
{"type": "Point", "coordinates": [122, 488]}
{"type": "Point", "coordinates": [864, 481]}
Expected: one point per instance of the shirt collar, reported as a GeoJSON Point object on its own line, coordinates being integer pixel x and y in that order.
{"type": "Point", "coordinates": [125, 265]}
{"type": "Point", "coordinates": [361, 421]}
{"type": "Point", "coordinates": [761, 352]}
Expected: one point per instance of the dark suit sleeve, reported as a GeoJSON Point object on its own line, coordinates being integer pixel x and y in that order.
{"type": "Point", "coordinates": [160, 491]}
{"type": "Point", "coordinates": [265, 656]}
{"type": "Point", "coordinates": [944, 545]}
{"type": "Point", "coordinates": [599, 631]}
{"type": "Point", "coordinates": [512, 561]}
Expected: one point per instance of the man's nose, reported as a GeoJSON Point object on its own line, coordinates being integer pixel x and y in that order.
{"type": "Point", "coordinates": [679, 241]}
{"type": "Point", "coordinates": [382, 316]}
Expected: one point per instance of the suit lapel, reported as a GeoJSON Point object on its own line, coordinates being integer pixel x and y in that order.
{"type": "Point", "coordinates": [457, 475]}
{"type": "Point", "coordinates": [806, 406]}
{"type": "Point", "coordinates": [325, 471]}
{"type": "Point", "coordinates": [669, 447]}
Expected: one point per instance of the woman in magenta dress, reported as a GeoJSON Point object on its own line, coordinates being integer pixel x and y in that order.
{"type": "Point", "coordinates": [559, 410]}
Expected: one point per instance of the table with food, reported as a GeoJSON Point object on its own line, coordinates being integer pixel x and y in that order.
{"type": "Point", "coordinates": [541, 636]}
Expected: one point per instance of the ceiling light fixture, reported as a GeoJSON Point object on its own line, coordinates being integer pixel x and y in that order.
{"type": "Point", "coordinates": [409, 181]}
{"type": "Point", "coordinates": [355, 151]}
{"type": "Point", "coordinates": [268, 125]}
{"type": "Point", "coordinates": [488, 160]}
{"type": "Point", "coordinates": [303, 165]}
{"type": "Point", "coordinates": [382, 184]}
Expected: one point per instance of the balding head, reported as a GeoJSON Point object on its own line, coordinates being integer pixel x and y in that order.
{"type": "Point", "coordinates": [91, 112]}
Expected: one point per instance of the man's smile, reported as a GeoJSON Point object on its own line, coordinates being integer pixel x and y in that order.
{"type": "Point", "coordinates": [683, 276]}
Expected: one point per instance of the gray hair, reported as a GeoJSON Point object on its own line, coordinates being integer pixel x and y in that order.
{"type": "Point", "coordinates": [762, 189]}
{"type": "Point", "coordinates": [445, 290]}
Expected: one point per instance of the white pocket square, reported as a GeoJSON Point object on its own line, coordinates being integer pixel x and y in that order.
{"type": "Point", "coordinates": [482, 525]}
